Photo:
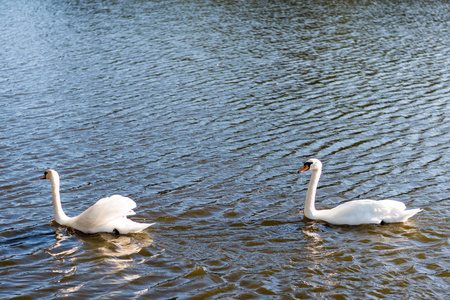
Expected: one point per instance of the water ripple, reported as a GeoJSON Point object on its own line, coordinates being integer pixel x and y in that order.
{"type": "Point", "coordinates": [202, 112]}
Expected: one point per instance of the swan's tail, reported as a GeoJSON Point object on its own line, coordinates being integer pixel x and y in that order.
{"type": "Point", "coordinates": [409, 213]}
{"type": "Point", "coordinates": [126, 226]}
{"type": "Point", "coordinates": [138, 227]}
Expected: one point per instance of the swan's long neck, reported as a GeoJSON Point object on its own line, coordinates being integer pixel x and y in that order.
{"type": "Point", "coordinates": [310, 209]}
{"type": "Point", "coordinates": [60, 216]}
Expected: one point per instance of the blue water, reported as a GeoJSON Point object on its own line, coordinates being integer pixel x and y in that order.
{"type": "Point", "coordinates": [203, 112]}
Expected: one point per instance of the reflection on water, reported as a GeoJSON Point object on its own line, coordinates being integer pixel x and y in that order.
{"type": "Point", "coordinates": [114, 256]}
{"type": "Point", "coordinates": [202, 112]}
{"type": "Point", "coordinates": [124, 245]}
{"type": "Point", "coordinates": [105, 244]}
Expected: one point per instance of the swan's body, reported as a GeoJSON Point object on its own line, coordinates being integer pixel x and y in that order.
{"type": "Point", "coordinates": [354, 212]}
{"type": "Point", "coordinates": [106, 215]}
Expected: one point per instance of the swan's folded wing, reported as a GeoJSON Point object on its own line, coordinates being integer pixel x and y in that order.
{"type": "Point", "coordinates": [125, 226]}
{"type": "Point", "coordinates": [397, 211]}
{"type": "Point", "coordinates": [106, 210]}
{"type": "Point", "coordinates": [364, 211]}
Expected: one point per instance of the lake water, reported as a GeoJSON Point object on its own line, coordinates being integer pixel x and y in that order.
{"type": "Point", "coordinates": [203, 112]}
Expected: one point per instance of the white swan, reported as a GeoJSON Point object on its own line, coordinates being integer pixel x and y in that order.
{"type": "Point", "coordinates": [354, 212]}
{"type": "Point", "coordinates": [106, 215]}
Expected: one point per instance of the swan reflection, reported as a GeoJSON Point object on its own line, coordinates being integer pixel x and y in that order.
{"type": "Point", "coordinates": [101, 253]}
{"type": "Point", "coordinates": [105, 244]}
{"type": "Point", "coordinates": [122, 245]}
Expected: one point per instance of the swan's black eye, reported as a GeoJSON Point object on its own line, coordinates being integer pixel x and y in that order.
{"type": "Point", "coordinates": [45, 173]}
{"type": "Point", "coordinates": [308, 164]}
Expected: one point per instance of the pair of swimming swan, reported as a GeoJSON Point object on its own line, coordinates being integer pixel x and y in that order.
{"type": "Point", "coordinates": [110, 214]}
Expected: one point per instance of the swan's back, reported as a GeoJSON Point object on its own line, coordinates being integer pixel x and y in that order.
{"type": "Point", "coordinates": [367, 212]}
{"type": "Point", "coordinates": [105, 215]}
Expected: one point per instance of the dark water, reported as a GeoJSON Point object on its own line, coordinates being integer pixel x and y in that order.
{"type": "Point", "coordinates": [202, 112]}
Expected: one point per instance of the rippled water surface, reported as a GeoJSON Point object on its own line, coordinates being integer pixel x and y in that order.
{"type": "Point", "coordinates": [202, 112]}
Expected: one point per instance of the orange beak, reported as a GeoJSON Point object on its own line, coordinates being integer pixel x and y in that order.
{"type": "Point", "coordinates": [305, 168]}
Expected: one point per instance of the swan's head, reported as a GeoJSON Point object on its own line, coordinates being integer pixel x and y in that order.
{"type": "Point", "coordinates": [50, 174]}
{"type": "Point", "coordinates": [312, 164]}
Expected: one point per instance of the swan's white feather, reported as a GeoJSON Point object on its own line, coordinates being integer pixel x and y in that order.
{"type": "Point", "coordinates": [120, 225]}
{"type": "Point", "coordinates": [108, 214]}
{"type": "Point", "coordinates": [366, 211]}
